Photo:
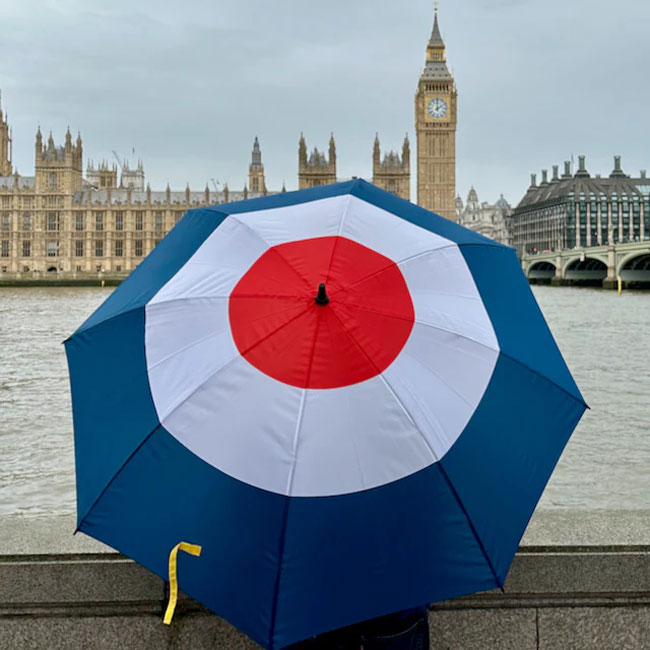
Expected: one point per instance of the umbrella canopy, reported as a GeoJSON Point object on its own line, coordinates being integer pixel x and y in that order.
{"type": "Point", "coordinates": [350, 403]}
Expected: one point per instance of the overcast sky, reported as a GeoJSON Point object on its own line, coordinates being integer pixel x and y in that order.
{"type": "Point", "coordinates": [189, 84]}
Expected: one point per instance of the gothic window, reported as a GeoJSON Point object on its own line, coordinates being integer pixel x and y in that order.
{"type": "Point", "coordinates": [119, 221]}
{"type": "Point", "coordinates": [79, 221]}
{"type": "Point", "coordinates": [52, 248]}
{"type": "Point", "coordinates": [138, 248]}
{"type": "Point", "coordinates": [99, 221]}
{"type": "Point", "coordinates": [5, 201]}
{"type": "Point", "coordinates": [6, 222]}
{"type": "Point", "coordinates": [27, 248]}
{"type": "Point", "coordinates": [177, 217]}
{"type": "Point", "coordinates": [392, 185]}
{"type": "Point", "coordinates": [255, 184]}
{"type": "Point", "coordinates": [79, 248]}
{"type": "Point", "coordinates": [4, 248]}
{"type": "Point", "coordinates": [27, 202]}
{"type": "Point", "coordinates": [119, 248]}
{"type": "Point", "coordinates": [52, 181]}
{"type": "Point", "coordinates": [139, 218]}
{"type": "Point", "coordinates": [99, 248]}
{"type": "Point", "coordinates": [52, 221]}
{"type": "Point", "coordinates": [158, 222]}
{"type": "Point", "coordinates": [27, 222]}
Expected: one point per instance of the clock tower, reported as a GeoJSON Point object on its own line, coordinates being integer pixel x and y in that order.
{"type": "Point", "coordinates": [435, 127]}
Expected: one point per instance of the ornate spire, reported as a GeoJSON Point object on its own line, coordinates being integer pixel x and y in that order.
{"type": "Point", "coordinates": [436, 38]}
{"type": "Point", "coordinates": [332, 160]}
{"type": "Point", "coordinates": [256, 157]}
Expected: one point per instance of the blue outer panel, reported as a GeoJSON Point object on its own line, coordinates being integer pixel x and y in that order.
{"type": "Point", "coordinates": [354, 557]}
{"type": "Point", "coordinates": [159, 266]}
{"type": "Point", "coordinates": [343, 559]}
{"type": "Point", "coordinates": [503, 459]}
{"type": "Point", "coordinates": [518, 322]}
{"type": "Point", "coordinates": [165, 495]}
{"type": "Point", "coordinates": [288, 198]}
{"type": "Point", "coordinates": [112, 407]}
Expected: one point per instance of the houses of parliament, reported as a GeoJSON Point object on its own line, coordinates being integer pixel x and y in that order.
{"type": "Point", "coordinates": [62, 220]}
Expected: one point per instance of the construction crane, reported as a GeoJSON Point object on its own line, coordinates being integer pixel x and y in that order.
{"type": "Point", "coordinates": [215, 184]}
{"type": "Point", "coordinates": [119, 162]}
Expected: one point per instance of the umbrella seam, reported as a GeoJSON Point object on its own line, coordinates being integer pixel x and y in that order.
{"type": "Point", "coordinates": [119, 471]}
{"type": "Point", "coordinates": [213, 334]}
{"type": "Point", "coordinates": [449, 485]}
{"type": "Point", "coordinates": [338, 237]}
{"type": "Point", "coordinates": [424, 324]}
{"type": "Point", "coordinates": [406, 260]}
{"type": "Point", "coordinates": [296, 436]}
{"type": "Point", "coordinates": [436, 459]}
{"type": "Point", "coordinates": [240, 355]}
{"type": "Point", "coordinates": [270, 247]}
{"type": "Point", "coordinates": [497, 349]}
{"type": "Point", "coordinates": [276, 587]}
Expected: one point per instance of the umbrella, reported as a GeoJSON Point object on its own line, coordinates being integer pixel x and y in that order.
{"type": "Point", "coordinates": [350, 404]}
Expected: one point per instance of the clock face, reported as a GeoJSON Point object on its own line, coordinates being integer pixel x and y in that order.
{"type": "Point", "coordinates": [437, 108]}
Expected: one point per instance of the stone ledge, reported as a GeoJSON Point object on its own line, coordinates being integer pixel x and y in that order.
{"type": "Point", "coordinates": [579, 580]}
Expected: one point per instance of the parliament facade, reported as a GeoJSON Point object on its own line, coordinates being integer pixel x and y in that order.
{"type": "Point", "coordinates": [108, 219]}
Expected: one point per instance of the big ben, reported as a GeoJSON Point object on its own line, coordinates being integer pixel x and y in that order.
{"type": "Point", "coordinates": [435, 127]}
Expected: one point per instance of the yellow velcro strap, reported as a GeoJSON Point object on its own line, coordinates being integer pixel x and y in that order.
{"type": "Point", "coordinates": [192, 549]}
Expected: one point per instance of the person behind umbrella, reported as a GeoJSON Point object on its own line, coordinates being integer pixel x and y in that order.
{"type": "Point", "coordinates": [405, 630]}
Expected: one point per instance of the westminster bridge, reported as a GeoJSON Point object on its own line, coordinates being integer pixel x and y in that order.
{"type": "Point", "coordinates": [600, 265]}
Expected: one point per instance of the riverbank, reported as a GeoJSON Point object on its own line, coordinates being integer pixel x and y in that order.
{"type": "Point", "coordinates": [580, 580]}
{"type": "Point", "coordinates": [61, 279]}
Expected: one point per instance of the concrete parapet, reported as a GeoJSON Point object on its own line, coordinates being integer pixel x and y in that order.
{"type": "Point", "coordinates": [579, 580]}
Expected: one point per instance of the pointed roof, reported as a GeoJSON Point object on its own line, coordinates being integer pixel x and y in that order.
{"type": "Point", "coordinates": [436, 38]}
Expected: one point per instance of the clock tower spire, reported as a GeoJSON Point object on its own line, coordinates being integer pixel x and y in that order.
{"type": "Point", "coordinates": [435, 127]}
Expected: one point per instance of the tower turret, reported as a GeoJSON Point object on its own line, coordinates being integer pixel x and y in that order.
{"type": "Point", "coordinates": [317, 169]}
{"type": "Point", "coordinates": [376, 152]}
{"type": "Point", "coordinates": [57, 169]}
{"type": "Point", "coordinates": [256, 180]}
{"type": "Point", "coordinates": [392, 173]}
{"type": "Point", "coordinates": [5, 144]}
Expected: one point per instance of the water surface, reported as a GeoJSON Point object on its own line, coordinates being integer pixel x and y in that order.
{"type": "Point", "coordinates": [605, 339]}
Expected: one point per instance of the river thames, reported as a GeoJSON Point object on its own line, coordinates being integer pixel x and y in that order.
{"type": "Point", "coordinates": [605, 339]}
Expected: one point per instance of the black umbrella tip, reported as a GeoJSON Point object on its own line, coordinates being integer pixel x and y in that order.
{"type": "Point", "coordinates": [321, 298]}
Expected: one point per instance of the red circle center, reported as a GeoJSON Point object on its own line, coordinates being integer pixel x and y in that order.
{"type": "Point", "coordinates": [281, 330]}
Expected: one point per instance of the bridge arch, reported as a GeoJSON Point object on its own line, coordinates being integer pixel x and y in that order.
{"type": "Point", "coordinates": [585, 269]}
{"type": "Point", "coordinates": [542, 270]}
{"type": "Point", "coordinates": [635, 268]}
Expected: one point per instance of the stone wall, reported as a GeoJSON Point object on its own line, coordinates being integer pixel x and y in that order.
{"type": "Point", "coordinates": [579, 581]}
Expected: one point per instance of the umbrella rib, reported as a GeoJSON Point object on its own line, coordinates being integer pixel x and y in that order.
{"type": "Point", "coordinates": [212, 335]}
{"type": "Point", "coordinates": [391, 265]}
{"type": "Point", "coordinates": [452, 489]}
{"type": "Point", "coordinates": [338, 237]}
{"type": "Point", "coordinates": [239, 355]}
{"type": "Point", "coordinates": [296, 436]}
{"type": "Point", "coordinates": [469, 338]}
{"type": "Point", "coordinates": [436, 459]}
{"type": "Point", "coordinates": [271, 247]}
{"type": "Point", "coordinates": [424, 324]}
{"type": "Point", "coordinates": [119, 471]}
